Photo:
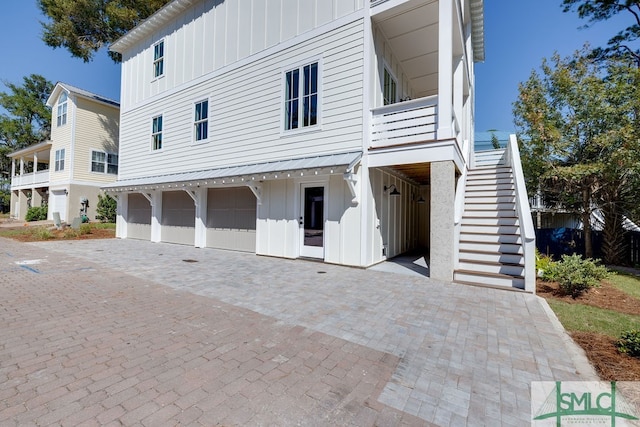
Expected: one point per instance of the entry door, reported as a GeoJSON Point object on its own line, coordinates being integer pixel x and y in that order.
{"type": "Point", "coordinates": [312, 215]}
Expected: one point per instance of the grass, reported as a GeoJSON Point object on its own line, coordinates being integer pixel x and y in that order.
{"type": "Point", "coordinates": [627, 283]}
{"type": "Point", "coordinates": [9, 233]}
{"type": "Point", "coordinates": [39, 233]}
{"type": "Point", "coordinates": [104, 225]}
{"type": "Point", "coordinates": [584, 318]}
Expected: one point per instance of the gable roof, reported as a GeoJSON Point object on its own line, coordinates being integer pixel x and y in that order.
{"type": "Point", "coordinates": [59, 87]}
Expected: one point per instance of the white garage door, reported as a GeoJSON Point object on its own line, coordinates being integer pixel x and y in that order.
{"type": "Point", "coordinates": [58, 203]}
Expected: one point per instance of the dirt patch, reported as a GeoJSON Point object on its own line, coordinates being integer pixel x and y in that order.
{"type": "Point", "coordinates": [64, 234]}
{"type": "Point", "coordinates": [601, 350]}
{"type": "Point", "coordinates": [606, 296]}
{"type": "Point", "coordinates": [610, 364]}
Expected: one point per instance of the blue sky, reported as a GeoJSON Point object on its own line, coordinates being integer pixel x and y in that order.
{"type": "Point", "coordinates": [518, 34]}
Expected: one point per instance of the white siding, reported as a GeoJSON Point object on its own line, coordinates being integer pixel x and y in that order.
{"type": "Point", "coordinates": [214, 34]}
{"type": "Point", "coordinates": [246, 112]}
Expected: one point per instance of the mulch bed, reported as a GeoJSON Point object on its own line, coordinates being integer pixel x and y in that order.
{"type": "Point", "coordinates": [64, 234]}
{"type": "Point", "coordinates": [601, 350]}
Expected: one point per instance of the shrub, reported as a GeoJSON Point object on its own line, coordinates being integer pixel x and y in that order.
{"type": "Point", "coordinates": [36, 213]}
{"type": "Point", "coordinates": [106, 208]}
{"type": "Point", "coordinates": [42, 233]}
{"type": "Point", "coordinates": [85, 229]}
{"type": "Point", "coordinates": [542, 262]}
{"type": "Point", "coordinates": [629, 343]}
{"type": "Point", "coordinates": [574, 274]}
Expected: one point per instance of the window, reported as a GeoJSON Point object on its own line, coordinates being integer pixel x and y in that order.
{"type": "Point", "coordinates": [301, 97]}
{"type": "Point", "coordinates": [156, 133]}
{"type": "Point", "coordinates": [390, 88]}
{"type": "Point", "coordinates": [201, 120]}
{"type": "Point", "coordinates": [59, 160]}
{"type": "Point", "coordinates": [62, 109]}
{"type": "Point", "coordinates": [158, 59]}
{"type": "Point", "coordinates": [101, 162]}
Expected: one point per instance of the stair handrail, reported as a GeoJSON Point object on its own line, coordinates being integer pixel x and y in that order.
{"type": "Point", "coordinates": [524, 213]}
{"type": "Point", "coordinates": [459, 204]}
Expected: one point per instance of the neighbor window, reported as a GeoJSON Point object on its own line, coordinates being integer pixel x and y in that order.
{"type": "Point", "coordinates": [104, 162]}
{"type": "Point", "coordinates": [390, 88]}
{"type": "Point", "coordinates": [158, 59]}
{"type": "Point", "coordinates": [62, 109]}
{"type": "Point", "coordinates": [201, 120]}
{"type": "Point", "coordinates": [59, 160]}
{"type": "Point", "coordinates": [301, 97]}
{"type": "Point", "coordinates": [156, 133]}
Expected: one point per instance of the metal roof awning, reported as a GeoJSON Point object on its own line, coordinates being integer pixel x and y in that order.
{"type": "Point", "coordinates": [239, 175]}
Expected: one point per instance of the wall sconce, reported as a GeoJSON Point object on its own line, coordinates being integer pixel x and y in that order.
{"type": "Point", "coordinates": [421, 200]}
{"type": "Point", "coordinates": [394, 192]}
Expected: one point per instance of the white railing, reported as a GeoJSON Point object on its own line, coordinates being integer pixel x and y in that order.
{"type": "Point", "coordinates": [405, 122]}
{"type": "Point", "coordinates": [489, 158]}
{"type": "Point", "coordinates": [37, 178]}
{"type": "Point", "coordinates": [524, 213]}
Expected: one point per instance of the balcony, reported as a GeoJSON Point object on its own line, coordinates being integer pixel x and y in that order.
{"type": "Point", "coordinates": [29, 180]}
{"type": "Point", "coordinates": [406, 122]}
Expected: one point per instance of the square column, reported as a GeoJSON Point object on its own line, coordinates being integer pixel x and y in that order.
{"type": "Point", "coordinates": [445, 69]}
{"type": "Point", "coordinates": [122, 214]}
{"type": "Point", "coordinates": [443, 193]}
{"type": "Point", "coordinates": [156, 216]}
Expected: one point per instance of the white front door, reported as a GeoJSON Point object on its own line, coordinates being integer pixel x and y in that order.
{"type": "Point", "coordinates": [311, 221]}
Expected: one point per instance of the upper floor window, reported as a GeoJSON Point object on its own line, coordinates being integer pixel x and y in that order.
{"type": "Point", "coordinates": [390, 91]}
{"type": "Point", "coordinates": [104, 162]}
{"type": "Point", "coordinates": [301, 97]}
{"type": "Point", "coordinates": [156, 133]}
{"type": "Point", "coordinates": [59, 166]}
{"type": "Point", "coordinates": [62, 109]}
{"type": "Point", "coordinates": [201, 120]}
{"type": "Point", "coordinates": [158, 59]}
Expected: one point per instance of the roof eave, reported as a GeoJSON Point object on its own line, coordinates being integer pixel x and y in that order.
{"type": "Point", "coordinates": [477, 29]}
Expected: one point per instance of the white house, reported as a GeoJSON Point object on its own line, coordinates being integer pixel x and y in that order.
{"type": "Point", "coordinates": [68, 171]}
{"type": "Point", "coordinates": [340, 130]}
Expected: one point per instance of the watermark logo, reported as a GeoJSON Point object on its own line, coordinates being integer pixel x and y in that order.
{"type": "Point", "coordinates": [585, 403]}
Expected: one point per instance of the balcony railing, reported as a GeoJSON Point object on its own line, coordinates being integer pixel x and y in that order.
{"type": "Point", "coordinates": [405, 122]}
{"type": "Point", "coordinates": [37, 178]}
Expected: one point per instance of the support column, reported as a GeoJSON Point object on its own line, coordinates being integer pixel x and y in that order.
{"type": "Point", "coordinates": [445, 68]}
{"type": "Point", "coordinates": [156, 216]}
{"type": "Point", "coordinates": [122, 214]}
{"type": "Point", "coordinates": [13, 168]}
{"type": "Point", "coordinates": [201, 218]}
{"type": "Point", "coordinates": [443, 191]}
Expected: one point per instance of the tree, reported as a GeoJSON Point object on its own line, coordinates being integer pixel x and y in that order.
{"type": "Point", "coordinates": [624, 43]}
{"type": "Point", "coordinates": [106, 209]}
{"type": "Point", "coordinates": [83, 27]}
{"type": "Point", "coordinates": [580, 143]}
{"type": "Point", "coordinates": [28, 120]}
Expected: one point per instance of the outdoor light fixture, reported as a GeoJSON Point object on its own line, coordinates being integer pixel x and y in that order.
{"type": "Point", "coordinates": [421, 200]}
{"type": "Point", "coordinates": [394, 192]}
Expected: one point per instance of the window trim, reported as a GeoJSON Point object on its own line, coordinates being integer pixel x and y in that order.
{"type": "Point", "coordinates": [194, 122]}
{"type": "Point", "coordinates": [283, 96]}
{"type": "Point", "coordinates": [386, 69]}
{"type": "Point", "coordinates": [159, 60]}
{"type": "Point", "coordinates": [105, 163]}
{"type": "Point", "coordinates": [59, 162]}
{"type": "Point", "coordinates": [152, 134]}
{"type": "Point", "coordinates": [64, 105]}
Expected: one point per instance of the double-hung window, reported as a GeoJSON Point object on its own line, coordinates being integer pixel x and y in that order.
{"type": "Point", "coordinates": [104, 162]}
{"type": "Point", "coordinates": [158, 59]}
{"type": "Point", "coordinates": [201, 121]}
{"type": "Point", "coordinates": [390, 88]}
{"type": "Point", "coordinates": [59, 166]}
{"type": "Point", "coordinates": [156, 133]}
{"type": "Point", "coordinates": [301, 97]}
{"type": "Point", "coordinates": [62, 109]}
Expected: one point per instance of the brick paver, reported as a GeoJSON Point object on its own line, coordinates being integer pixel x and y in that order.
{"type": "Point", "coordinates": [126, 332]}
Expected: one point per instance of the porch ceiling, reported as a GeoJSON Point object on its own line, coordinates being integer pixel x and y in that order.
{"type": "Point", "coordinates": [418, 172]}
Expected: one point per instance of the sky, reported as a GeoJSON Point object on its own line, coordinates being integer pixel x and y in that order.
{"type": "Point", "coordinates": [518, 35]}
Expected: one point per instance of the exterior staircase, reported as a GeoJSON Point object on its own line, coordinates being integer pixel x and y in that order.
{"type": "Point", "coordinates": [491, 250]}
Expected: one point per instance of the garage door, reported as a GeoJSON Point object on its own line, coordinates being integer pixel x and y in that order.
{"type": "Point", "coordinates": [58, 203]}
{"type": "Point", "coordinates": [231, 219]}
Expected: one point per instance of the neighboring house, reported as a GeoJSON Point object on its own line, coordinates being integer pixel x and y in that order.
{"type": "Point", "coordinates": [334, 130]}
{"type": "Point", "coordinates": [67, 172]}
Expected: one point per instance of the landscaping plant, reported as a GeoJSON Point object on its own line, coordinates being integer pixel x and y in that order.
{"type": "Point", "coordinates": [629, 343]}
{"type": "Point", "coordinates": [574, 274]}
{"type": "Point", "coordinates": [36, 213]}
{"type": "Point", "coordinates": [106, 208]}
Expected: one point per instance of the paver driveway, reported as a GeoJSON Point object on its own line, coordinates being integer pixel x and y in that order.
{"type": "Point", "coordinates": [136, 333]}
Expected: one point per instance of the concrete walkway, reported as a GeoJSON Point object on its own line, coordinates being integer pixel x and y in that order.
{"type": "Point", "coordinates": [132, 332]}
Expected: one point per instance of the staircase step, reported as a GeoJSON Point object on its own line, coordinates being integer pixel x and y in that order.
{"type": "Point", "coordinates": [489, 177]}
{"type": "Point", "coordinates": [489, 181]}
{"type": "Point", "coordinates": [472, 206]}
{"type": "Point", "coordinates": [497, 230]}
{"type": "Point", "coordinates": [490, 187]}
{"type": "Point", "coordinates": [500, 280]}
{"type": "Point", "coordinates": [509, 213]}
{"type": "Point", "coordinates": [471, 235]}
{"type": "Point", "coordinates": [503, 248]}
{"type": "Point", "coordinates": [494, 192]}
{"type": "Point", "coordinates": [489, 170]}
{"type": "Point", "coordinates": [492, 267]}
{"type": "Point", "coordinates": [473, 198]}
{"type": "Point", "coordinates": [486, 221]}
{"type": "Point", "coordinates": [494, 257]}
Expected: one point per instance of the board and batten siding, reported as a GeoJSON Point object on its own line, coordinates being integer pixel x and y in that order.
{"type": "Point", "coordinates": [246, 112]}
{"type": "Point", "coordinates": [96, 129]}
{"type": "Point", "coordinates": [214, 34]}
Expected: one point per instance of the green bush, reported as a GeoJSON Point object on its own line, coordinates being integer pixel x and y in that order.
{"type": "Point", "coordinates": [629, 343]}
{"type": "Point", "coordinates": [85, 229]}
{"type": "Point", "coordinates": [106, 208]}
{"type": "Point", "coordinates": [574, 274]}
{"type": "Point", "coordinates": [542, 262]}
{"type": "Point", "coordinates": [36, 213]}
{"type": "Point", "coordinates": [42, 233]}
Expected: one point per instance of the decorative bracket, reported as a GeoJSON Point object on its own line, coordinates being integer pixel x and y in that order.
{"type": "Point", "coordinates": [148, 197]}
{"type": "Point", "coordinates": [352, 180]}
{"type": "Point", "coordinates": [193, 195]}
{"type": "Point", "coordinates": [256, 189]}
